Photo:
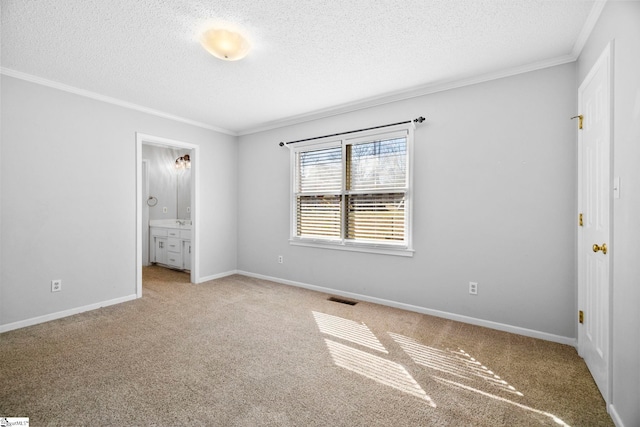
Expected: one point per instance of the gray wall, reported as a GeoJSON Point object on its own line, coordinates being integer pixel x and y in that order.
{"type": "Point", "coordinates": [68, 199]}
{"type": "Point", "coordinates": [494, 202]}
{"type": "Point", "coordinates": [620, 23]}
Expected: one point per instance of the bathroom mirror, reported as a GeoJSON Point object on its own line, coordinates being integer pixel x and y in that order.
{"type": "Point", "coordinates": [183, 193]}
{"type": "Point", "coordinates": [169, 186]}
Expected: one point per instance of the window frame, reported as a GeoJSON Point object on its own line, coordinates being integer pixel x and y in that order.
{"type": "Point", "coordinates": [404, 248]}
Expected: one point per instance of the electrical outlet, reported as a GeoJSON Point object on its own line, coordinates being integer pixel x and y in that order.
{"type": "Point", "coordinates": [56, 285]}
{"type": "Point", "coordinates": [280, 259]}
{"type": "Point", "coordinates": [473, 288]}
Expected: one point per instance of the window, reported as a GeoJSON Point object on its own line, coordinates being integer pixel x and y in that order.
{"type": "Point", "coordinates": [354, 193]}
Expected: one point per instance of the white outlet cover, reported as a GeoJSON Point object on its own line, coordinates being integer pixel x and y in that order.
{"type": "Point", "coordinates": [473, 288]}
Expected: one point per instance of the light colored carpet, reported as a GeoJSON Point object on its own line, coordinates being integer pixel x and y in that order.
{"type": "Point", "coordinates": [245, 352]}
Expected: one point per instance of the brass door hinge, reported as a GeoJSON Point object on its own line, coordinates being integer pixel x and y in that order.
{"type": "Point", "coordinates": [581, 316]}
{"type": "Point", "coordinates": [580, 221]}
{"type": "Point", "coordinates": [580, 118]}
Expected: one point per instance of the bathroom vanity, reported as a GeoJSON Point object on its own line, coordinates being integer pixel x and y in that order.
{"type": "Point", "coordinates": [170, 243]}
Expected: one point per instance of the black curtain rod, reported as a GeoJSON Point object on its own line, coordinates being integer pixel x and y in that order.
{"type": "Point", "coordinates": [418, 120]}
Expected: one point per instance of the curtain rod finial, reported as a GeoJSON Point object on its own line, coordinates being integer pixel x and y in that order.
{"type": "Point", "coordinates": [281, 144]}
{"type": "Point", "coordinates": [419, 120]}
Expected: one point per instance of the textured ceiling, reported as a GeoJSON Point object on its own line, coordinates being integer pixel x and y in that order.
{"type": "Point", "coordinates": [308, 57]}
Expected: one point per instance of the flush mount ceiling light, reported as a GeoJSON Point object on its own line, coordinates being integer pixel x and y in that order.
{"type": "Point", "coordinates": [225, 44]}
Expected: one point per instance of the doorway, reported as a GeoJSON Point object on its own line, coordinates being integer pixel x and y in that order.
{"type": "Point", "coordinates": [594, 217]}
{"type": "Point", "coordinates": [142, 139]}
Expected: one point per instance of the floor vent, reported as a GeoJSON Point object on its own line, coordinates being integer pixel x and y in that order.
{"type": "Point", "coordinates": [342, 301]}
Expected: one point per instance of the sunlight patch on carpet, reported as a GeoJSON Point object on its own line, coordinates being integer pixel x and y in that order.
{"type": "Point", "coordinates": [348, 330]}
{"type": "Point", "coordinates": [502, 399]}
{"type": "Point", "coordinates": [457, 363]}
{"type": "Point", "coordinates": [376, 368]}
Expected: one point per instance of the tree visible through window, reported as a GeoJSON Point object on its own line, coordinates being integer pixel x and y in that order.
{"type": "Point", "coordinates": [353, 192]}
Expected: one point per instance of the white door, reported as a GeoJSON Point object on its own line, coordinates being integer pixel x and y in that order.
{"type": "Point", "coordinates": [594, 244]}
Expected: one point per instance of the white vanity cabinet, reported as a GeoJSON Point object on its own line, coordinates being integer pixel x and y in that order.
{"type": "Point", "coordinates": [186, 254]}
{"type": "Point", "coordinates": [170, 247]}
{"type": "Point", "coordinates": [158, 245]}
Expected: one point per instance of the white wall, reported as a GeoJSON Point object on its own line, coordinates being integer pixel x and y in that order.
{"type": "Point", "coordinates": [494, 200]}
{"type": "Point", "coordinates": [68, 199]}
{"type": "Point", "coordinates": [620, 23]}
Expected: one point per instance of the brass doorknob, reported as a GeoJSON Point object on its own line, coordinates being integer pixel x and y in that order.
{"type": "Point", "coordinates": [602, 248]}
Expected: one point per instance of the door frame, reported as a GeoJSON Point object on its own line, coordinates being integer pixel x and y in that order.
{"type": "Point", "coordinates": [145, 208]}
{"type": "Point", "coordinates": [605, 59]}
{"type": "Point", "coordinates": [141, 139]}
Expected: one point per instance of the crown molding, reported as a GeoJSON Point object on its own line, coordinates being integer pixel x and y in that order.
{"type": "Point", "coordinates": [93, 95]}
{"type": "Point", "coordinates": [405, 94]}
{"type": "Point", "coordinates": [388, 98]}
{"type": "Point", "coordinates": [588, 27]}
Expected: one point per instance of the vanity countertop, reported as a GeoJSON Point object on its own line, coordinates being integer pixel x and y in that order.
{"type": "Point", "coordinates": [182, 224]}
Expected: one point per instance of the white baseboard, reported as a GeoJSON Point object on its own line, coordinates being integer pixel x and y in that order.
{"type": "Point", "coordinates": [77, 310]}
{"type": "Point", "coordinates": [409, 307]}
{"type": "Point", "coordinates": [65, 313]}
{"type": "Point", "coordinates": [615, 416]}
{"type": "Point", "coordinates": [217, 276]}
{"type": "Point", "coordinates": [451, 316]}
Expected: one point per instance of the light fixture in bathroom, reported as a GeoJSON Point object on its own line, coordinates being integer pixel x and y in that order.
{"type": "Point", "coordinates": [183, 162]}
{"type": "Point", "coordinates": [225, 44]}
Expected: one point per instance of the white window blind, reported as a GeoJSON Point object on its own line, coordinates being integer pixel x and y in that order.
{"type": "Point", "coordinates": [353, 192]}
{"type": "Point", "coordinates": [318, 199]}
{"type": "Point", "coordinates": [376, 188]}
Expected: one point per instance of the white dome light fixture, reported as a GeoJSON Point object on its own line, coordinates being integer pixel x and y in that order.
{"type": "Point", "coordinates": [225, 44]}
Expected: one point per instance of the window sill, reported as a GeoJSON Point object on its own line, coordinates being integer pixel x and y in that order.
{"type": "Point", "coordinates": [404, 252]}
